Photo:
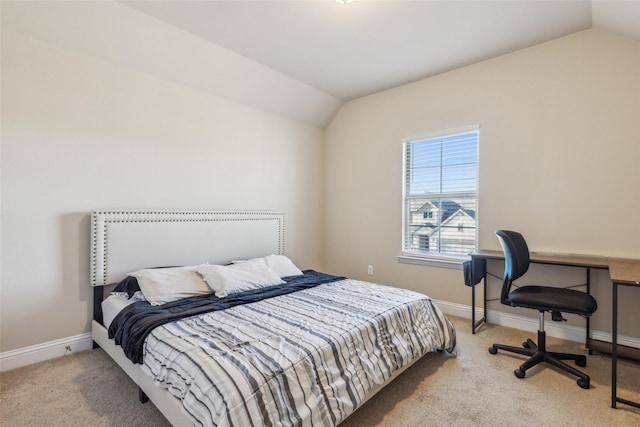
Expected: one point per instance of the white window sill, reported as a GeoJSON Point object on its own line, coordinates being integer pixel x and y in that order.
{"type": "Point", "coordinates": [433, 261]}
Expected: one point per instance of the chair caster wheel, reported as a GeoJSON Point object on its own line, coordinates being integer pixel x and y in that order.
{"type": "Point", "coordinates": [582, 362]}
{"type": "Point", "coordinates": [493, 350]}
{"type": "Point", "coordinates": [520, 373]}
{"type": "Point", "coordinates": [526, 344]}
{"type": "Point", "coordinates": [583, 383]}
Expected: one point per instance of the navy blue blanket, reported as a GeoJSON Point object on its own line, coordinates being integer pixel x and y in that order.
{"type": "Point", "coordinates": [131, 326]}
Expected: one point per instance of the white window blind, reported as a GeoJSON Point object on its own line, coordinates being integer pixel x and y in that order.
{"type": "Point", "coordinates": [441, 195]}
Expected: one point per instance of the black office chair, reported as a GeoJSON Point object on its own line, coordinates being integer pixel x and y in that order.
{"type": "Point", "coordinates": [541, 298]}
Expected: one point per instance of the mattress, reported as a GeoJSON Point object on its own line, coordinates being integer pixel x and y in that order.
{"type": "Point", "coordinates": [113, 305]}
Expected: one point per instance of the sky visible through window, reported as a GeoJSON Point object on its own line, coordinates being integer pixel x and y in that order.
{"type": "Point", "coordinates": [444, 165]}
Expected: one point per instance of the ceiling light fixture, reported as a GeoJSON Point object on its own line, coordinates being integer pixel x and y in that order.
{"type": "Point", "coordinates": [344, 1]}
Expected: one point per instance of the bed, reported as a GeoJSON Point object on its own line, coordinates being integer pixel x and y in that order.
{"type": "Point", "coordinates": [253, 340]}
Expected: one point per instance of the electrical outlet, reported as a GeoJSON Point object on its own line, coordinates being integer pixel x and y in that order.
{"type": "Point", "coordinates": [370, 270]}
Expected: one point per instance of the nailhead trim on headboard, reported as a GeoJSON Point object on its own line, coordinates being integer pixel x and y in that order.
{"type": "Point", "coordinates": [101, 219]}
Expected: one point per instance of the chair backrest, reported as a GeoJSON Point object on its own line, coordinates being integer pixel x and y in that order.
{"type": "Point", "coordinates": [516, 259]}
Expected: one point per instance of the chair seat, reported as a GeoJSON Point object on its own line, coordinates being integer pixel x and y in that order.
{"type": "Point", "coordinates": [545, 298]}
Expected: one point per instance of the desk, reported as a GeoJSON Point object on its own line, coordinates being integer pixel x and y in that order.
{"type": "Point", "coordinates": [625, 273]}
{"type": "Point", "coordinates": [583, 261]}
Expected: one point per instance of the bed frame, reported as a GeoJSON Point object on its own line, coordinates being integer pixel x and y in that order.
{"type": "Point", "coordinates": [127, 240]}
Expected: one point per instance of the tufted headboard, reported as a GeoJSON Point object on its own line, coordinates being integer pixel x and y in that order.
{"type": "Point", "coordinates": [126, 240]}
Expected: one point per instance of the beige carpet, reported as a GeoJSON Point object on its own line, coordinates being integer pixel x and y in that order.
{"type": "Point", "coordinates": [472, 389]}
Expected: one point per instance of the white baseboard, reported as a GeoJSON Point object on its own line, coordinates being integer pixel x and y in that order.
{"type": "Point", "coordinates": [49, 350]}
{"type": "Point", "coordinates": [553, 329]}
{"type": "Point", "coordinates": [39, 353]}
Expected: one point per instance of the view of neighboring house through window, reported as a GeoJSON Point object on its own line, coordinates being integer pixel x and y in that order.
{"type": "Point", "coordinates": [441, 195]}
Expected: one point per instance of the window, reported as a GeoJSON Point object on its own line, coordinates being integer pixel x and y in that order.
{"type": "Point", "coordinates": [441, 185]}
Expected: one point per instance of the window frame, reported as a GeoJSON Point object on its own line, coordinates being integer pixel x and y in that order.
{"type": "Point", "coordinates": [437, 259]}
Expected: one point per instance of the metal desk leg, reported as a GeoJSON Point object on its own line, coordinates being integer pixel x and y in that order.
{"type": "Point", "coordinates": [475, 324]}
{"type": "Point", "coordinates": [484, 294]}
{"type": "Point", "coordinates": [614, 346]}
{"type": "Point", "coordinates": [614, 355]}
{"type": "Point", "coordinates": [588, 332]}
{"type": "Point", "coordinates": [473, 309]}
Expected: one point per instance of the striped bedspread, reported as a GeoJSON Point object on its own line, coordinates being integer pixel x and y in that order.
{"type": "Point", "coordinates": [306, 358]}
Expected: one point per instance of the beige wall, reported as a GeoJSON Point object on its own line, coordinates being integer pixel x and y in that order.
{"type": "Point", "coordinates": [559, 155]}
{"type": "Point", "coordinates": [80, 134]}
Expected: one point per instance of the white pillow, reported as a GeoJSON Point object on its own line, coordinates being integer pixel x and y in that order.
{"type": "Point", "coordinates": [282, 265]}
{"type": "Point", "coordinates": [228, 279]}
{"type": "Point", "coordinates": [163, 285]}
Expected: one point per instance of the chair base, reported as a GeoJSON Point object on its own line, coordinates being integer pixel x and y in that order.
{"type": "Point", "coordinates": [538, 354]}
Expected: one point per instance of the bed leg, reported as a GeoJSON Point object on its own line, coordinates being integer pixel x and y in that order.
{"type": "Point", "coordinates": [142, 396]}
{"type": "Point", "coordinates": [95, 345]}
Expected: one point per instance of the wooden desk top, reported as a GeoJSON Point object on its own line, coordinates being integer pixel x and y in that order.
{"type": "Point", "coordinates": [621, 270]}
{"type": "Point", "coordinates": [554, 259]}
{"type": "Point", "coordinates": [625, 271]}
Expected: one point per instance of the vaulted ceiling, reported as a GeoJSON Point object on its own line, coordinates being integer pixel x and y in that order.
{"type": "Point", "coordinates": [302, 59]}
{"type": "Point", "coordinates": [352, 50]}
